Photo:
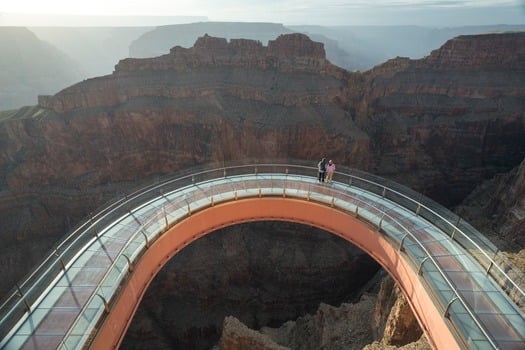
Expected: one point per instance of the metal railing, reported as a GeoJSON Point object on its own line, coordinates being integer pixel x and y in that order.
{"type": "Point", "coordinates": [26, 294]}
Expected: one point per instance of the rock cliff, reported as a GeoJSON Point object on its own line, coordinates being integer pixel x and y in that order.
{"type": "Point", "coordinates": [497, 208]}
{"type": "Point", "coordinates": [348, 326]}
{"type": "Point", "coordinates": [441, 125]}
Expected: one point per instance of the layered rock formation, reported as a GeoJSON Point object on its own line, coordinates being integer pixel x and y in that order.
{"type": "Point", "coordinates": [441, 124]}
{"type": "Point", "coordinates": [497, 207]}
{"type": "Point", "coordinates": [452, 118]}
{"type": "Point", "coordinates": [348, 326]}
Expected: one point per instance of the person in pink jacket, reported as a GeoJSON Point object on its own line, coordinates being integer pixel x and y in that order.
{"type": "Point", "coordinates": [330, 169]}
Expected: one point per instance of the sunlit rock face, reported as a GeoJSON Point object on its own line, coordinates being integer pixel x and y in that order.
{"type": "Point", "coordinates": [378, 320]}
{"type": "Point", "coordinates": [441, 125]}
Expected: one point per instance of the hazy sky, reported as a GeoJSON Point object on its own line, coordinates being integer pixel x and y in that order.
{"type": "Point", "coordinates": [323, 12]}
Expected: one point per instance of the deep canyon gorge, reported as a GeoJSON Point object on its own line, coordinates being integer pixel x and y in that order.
{"type": "Point", "coordinates": [450, 125]}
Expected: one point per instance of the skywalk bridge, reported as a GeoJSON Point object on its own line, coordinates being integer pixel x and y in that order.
{"type": "Point", "coordinates": [85, 293]}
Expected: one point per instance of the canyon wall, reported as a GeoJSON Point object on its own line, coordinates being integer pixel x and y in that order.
{"type": "Point", "coordinates": [441, 124]}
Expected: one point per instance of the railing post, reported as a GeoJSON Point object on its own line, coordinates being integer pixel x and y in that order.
{"type": "Point", "coordinates": [402, 242]}
{"type": "Point", "coordinates": [93, 225]}
{"type": "Point", "coordinates": [380, 222]}
{"type": "Point", "coordinates": [106, 306]}
{"type": "Point", "coordinates": [145, 238]}
{"type": "Point", "coordinates": [445, 314]}
{"type": "Point", "coordinates": [455, 228]}
{"type": "Point", "coordinates": [490, 266]}
{"type": "Point", "coordinates": [384, 192]}
{"type": "Point", "coordinates": [61, 261]}
{"type": "Point", "coordinates": [165, 217]}
{"type": "Point", "coordinates": [420, 269]}
{"type": "Point", "coordinates": [130, 265]}
{"type": "Point", "coordinates": [21, 295]}
{"type": "Point", "coordinates": [492, 261]}
{"type": "Point", "coordinates": [193, 179]}
{"type": "Point", "coordinates": [453, 234]}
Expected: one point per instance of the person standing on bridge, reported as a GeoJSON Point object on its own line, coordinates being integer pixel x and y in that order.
{"type": "Point", "coordinates": [330, 169]}
{"type": "Point", "coordinates": [321, 166]}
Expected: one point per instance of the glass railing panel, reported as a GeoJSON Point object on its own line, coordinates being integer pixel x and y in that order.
{"type": "Point", "coordinates": [408, 203]}
{"type": "Point", "coordinates": [134, 247]}
{"type": "Point", "coordinates": [513, 288]}
{"type": "Point", "coordinates": [27, 328]}
{"type": "Point", "coordinates": [84, 324]}
{"type": "Point", "coordinates": [32, 294]}
{"type": "Point", "coordinates": [437, 282]}
{"type": "Point", "coordinates": [415, 251]}
{"type": "Point", "coordinates": [15, 308]}
{"type": "Point", "coordinates": [157, 225]}
{"type": "Point", "coordinates": [518, 322]}
{"type": "Point", "coordinates": [145, 209]}
{"type": "Point", "coordinates": [367, 186]}
{"type": "Point", "coordinates": [473, 250]}
{"type": "Point", "coordinates": [436, 220]}
{"type": "Point", "coordinates": [464, 322]}
{"type": "Point", "coordinates": [113, 278]}
{"type": "Point", "coordinates": [393, 229]}
{"type": "Point", "coordinates": [482, 242]}
{"type": "Point", "coordinates": [72, 342]}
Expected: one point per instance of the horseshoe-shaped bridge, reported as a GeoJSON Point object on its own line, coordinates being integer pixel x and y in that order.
{"type": "Point", "coordinates": [84, 295]}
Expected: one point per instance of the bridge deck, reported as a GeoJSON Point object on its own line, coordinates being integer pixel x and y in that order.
{"type": "Point", "coordinates": [67, 312]}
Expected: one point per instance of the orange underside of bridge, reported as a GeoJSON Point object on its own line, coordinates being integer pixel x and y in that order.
{"type": "Point", "coordinates": [206, 221]}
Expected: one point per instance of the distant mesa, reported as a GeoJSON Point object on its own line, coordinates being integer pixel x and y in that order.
{"type": "Point", "coordinates": [209, 50]}
{"type": "Point", "coordinates": [287, 53]}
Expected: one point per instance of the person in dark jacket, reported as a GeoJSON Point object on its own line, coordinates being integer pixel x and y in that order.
{"type": "Point", "coordinates": [322, 169]}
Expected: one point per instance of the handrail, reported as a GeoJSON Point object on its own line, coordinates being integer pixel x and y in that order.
{"type": "Point", "coordinates": [456, 295]}
{"type": "Point", "coordinates": [103, 279]}
{"type": "Point", "coordinates": [456, 229]}
{"type": "Point", "coordinates": [28, 286]}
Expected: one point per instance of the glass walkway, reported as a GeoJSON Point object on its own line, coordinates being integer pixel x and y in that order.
{"type": "Point", "coordinates": [65, 302]}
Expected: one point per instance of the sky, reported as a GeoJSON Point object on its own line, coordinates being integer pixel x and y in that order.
{"type": "Point", "coordinates": [310, 12]}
